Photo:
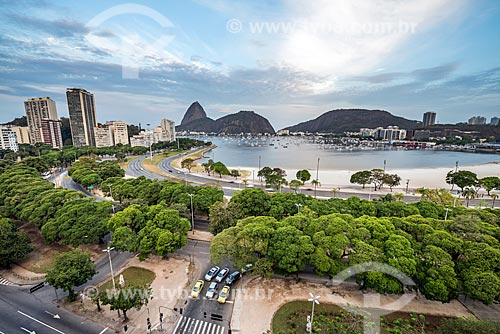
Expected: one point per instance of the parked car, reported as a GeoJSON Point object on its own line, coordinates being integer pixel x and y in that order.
{"type": "Point", "coordinates": [233, 277]}
{"type": "Point", "coordinates": [224, 294]}
{"type": "Point", "coordinates": [222, 274]}
{"type": "Point", "coordinates": [212, 290]}
{"type": "Point", "coordinates": [211, 273]}
{"type": "Point", "coordinates": [246, 268]}
{"type": "Point", "coordinates": [197, 288]}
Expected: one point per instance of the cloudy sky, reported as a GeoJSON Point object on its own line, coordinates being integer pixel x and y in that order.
{"type": "Point", "coordinates": [288, 60]}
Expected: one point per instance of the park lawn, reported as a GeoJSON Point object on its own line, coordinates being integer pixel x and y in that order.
{"type": "Point", "coordinates": [134, 276]}
{"type": "Point", "coordinates": [292, 317]}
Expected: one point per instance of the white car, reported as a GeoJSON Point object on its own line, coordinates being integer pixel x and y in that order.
{"type": "Point", "coordinates": [211, 273]}
{"type": "Point", "coordinates": [221, 275]}
{"type": "Point", "coordinates": [212, 290]}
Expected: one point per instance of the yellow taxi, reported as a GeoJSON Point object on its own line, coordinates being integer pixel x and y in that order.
{"type": "Point", "coordinates": [224, 294]}
{"type": "Point", "coordinates": [197, 288]}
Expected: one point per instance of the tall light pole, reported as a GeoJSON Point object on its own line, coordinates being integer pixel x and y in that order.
{"type": "Point", "coordinates": [317, 178]}
{"type": "Point", "coordinates": [456, 166]}
{"type": "Point", "coordinates": [192, 212]}
{"type": "Point", "coordinates": [407, 183]}
{"type": "Point", "coordinates": [385, 163]}
{"type": "Point", "coordinates": [314, 300]}
{"type": "Point", "coordinates": [298, 205]}
{"type": "Point", "coordinates": [108, 250]}
{"type": "Point", "coordinates": [446, 215]}
{"type": "Point", "coordinates": [260, 177]}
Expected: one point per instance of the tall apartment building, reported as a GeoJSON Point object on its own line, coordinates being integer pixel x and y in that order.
{"type": "Point", "coordinates": [477, 120]}
{"type": "Point", "coordinates": [37, 109]}
{"type": "Point", "coordinates": [495, 121]}
{"type": "Point", "coordinates": [168, 128]}
{"type": "Point", "coordinates": [390, 133]}
{"type": "Point", "coordinates": [51, 133]}
{"type": "Point", "coordinates": [429, 118]}
{"type": "Point", "coordinates": [120, 132]}
{"type": "Point", "coordinates": [104, 136]}
{"type": "Point", "coordinates": [22, 134]}
{"type": "Point", "coordinates": [8, 140]}
{"type": "Point", "coordinates": [82, 116]}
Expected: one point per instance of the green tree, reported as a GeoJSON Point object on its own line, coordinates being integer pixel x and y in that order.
{"type": "Point", "coordinates": [235, 173]}
{"type": "Point", "coordinates": [489, 183]}
{"type": "Point", "coordinates": [469, 326]}
{"type": "Point", "coordinates": [303, 175]}
{"type": "Point", "coordinates": [362, 177]}
{"type": "Point", "coordinates": [14, 244]}
{"type": "Point", "coordinates": [220, 169]}
{"type": "Point", "coordinates": [392, 180]}
{"type": "Point", "coordinates": [469, 193]}
{"type": "Point", "coordinates": [483, 286]}
{"type": "Point", "coordinates": [188, 163]}
{"type": "Point", "coordinates": [462, 179]}
{"type": "Point", "coordinates": [377, 178]}
{"type": "Point", "coordinates": [71, 269]}
{"type": "Point", "coordinates": [295, 185]}
{"type": "Point", "coordinates": [126, 298]}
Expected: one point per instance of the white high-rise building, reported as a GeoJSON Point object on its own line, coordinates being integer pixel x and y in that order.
{"type": "Point", "coordinates": [120, 132]}
{"type": "Point", "coordinates": [168, 128]}
{"type": "Point", "coordinates": [8, 140]}
{"type": "Point", "coordinates": [82, 116]}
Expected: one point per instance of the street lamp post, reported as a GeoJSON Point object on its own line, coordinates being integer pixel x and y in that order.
{"type": "Point", "coordinates": [446, 214]}
{"type": "Point", "coordinates": [314, 300]}
{"type": "Point", "coordinates": [298, 205]}
{"type": "Point", "coordinates": [108, 250]}
{"type": "Point", "coordinates": [385, 163]}
{"type": "Point", "coordinates": [407, 183]}
{"type": "Point", "coordinates": [192, 212]}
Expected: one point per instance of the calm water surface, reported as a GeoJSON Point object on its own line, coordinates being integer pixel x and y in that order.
{"type": "Point", "coordinates": [298, 153]}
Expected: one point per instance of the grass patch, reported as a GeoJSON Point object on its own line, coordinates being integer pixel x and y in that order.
{"type": "Point", "coordinates": [291, 317]}
{"type": "Point", "coordinates": [124, 163]}
{"type": "Point", "coordinates": [134, 276]}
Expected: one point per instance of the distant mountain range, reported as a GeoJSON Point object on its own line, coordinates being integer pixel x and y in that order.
{"type": "Point", "coordinates": [351, 120]}
{"type": "Point", "coordinates": [195, 119]}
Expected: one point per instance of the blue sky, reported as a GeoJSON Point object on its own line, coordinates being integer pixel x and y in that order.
{"type": "Point", "coordinates": [288, 60]}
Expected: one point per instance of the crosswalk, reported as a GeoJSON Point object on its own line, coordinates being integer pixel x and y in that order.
{"type": "Point", "coordinates": [187, 325]}
{"type": "Point", "coordinates": [3, 281]}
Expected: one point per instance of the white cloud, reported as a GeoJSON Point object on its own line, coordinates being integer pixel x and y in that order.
{"type": "Point", "coordinates": [349, 37]}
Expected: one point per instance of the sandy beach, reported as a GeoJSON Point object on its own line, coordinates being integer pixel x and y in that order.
{"type": "Point", "coordinates": [419, 177]}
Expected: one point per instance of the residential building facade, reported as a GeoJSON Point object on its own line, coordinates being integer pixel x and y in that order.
{"type": "Point", "coordinates": [495, 121]}
{"type": "Point", "coordinates": [50, 133]}
{"type": "Point", "coordinates": [120, 132]}
{"type": "Point", "coordinates": [82, 116]}
{"type": "Point", "coordinates": [22, 134]}
{"type": "Point", "coordinates": [429, 118]}
{"type": "Point", "coordinates": [477, 120]}
{"type": "Point", "coordinates": [38, 109]}
{"type": "Point", "coordinates": [8, 140]}
{"type": "Point", "coordinates": [104, 136]}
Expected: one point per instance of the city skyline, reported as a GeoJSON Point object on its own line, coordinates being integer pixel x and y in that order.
{"type": "Point", "coordinates": [285, 63]}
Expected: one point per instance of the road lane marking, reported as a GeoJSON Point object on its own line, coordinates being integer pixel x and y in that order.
{"type": "Point", "coordinates": [178, 324]}
{"type": "Point", "coordinates": [186, 326]}
{"type": "Point", "coordinates": [105, 329]}
{"type": "Point", "coordinates": [28, 331]}
{"type": "Point", "coordinates": [196, 326]}
{"type": "Point", "coordinates": [205, 253]}
{"type": "Point", "coordinates": [40, 322]}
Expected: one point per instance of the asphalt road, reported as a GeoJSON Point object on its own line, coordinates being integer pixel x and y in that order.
{"type": "Point", "coordinates": [203, 315]}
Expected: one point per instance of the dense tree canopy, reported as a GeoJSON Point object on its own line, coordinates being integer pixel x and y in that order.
{"type": "Point", "coordinates": [14, 244]}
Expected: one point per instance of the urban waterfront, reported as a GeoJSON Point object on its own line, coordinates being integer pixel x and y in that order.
{"type": "Point", "coordinates": [298, 153]}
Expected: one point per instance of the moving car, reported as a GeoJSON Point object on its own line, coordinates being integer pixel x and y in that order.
{"type": "Point", "coordinates": [224, 294]}
{"type": "Point", "coordinates": [222, 274]}
{"type": "Point", "coordinates": [212, 290]}
{"type": "Point", "coordinates": [211, 273]}
{"type": "Point", "coordinates": [233, 277]}
{"type": "Point", "coordinates": [197, 288]}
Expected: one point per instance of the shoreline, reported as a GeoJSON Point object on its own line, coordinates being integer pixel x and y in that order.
{"type": "Point", "coordinates": [428, 177]}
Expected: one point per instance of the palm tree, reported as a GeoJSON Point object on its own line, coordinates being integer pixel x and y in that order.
{"type": "Point", "coordinates": [469, 193]}
{"type": "Point", "coordinates": [245, 182]}
{"type": "Point", "coordinates": [335, 191]}
{"type": "Point", "coordinates": [494, 197]}
{"type": "Point", "coordinates": [316, 184]}
{"type": "Point", "coordinates": [399, 196]}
